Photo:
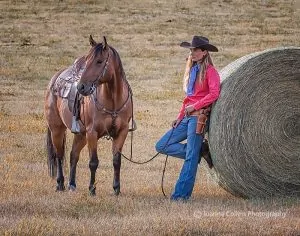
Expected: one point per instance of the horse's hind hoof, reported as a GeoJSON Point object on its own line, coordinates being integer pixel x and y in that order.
{"type": "Point", "coordinates": [116, 187]}
{"type": "Point", "coordinates": [92, 191]}
{"type": "Point", "coordinates": [72, 188]}
{"type": "Point", "coordinates": [117, 191]}
{"type": "Point", "coordinates": [60, 188]}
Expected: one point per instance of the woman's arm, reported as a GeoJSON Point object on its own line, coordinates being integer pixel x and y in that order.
{"type": "Point", "coordinates": [181, 112]}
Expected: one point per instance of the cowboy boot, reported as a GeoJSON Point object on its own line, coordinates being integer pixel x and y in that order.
{"type": "Point", "coordinates": [205, 153]}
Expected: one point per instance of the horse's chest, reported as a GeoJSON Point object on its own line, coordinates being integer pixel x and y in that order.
{"type": "Point", "coordinates": [110, 125]}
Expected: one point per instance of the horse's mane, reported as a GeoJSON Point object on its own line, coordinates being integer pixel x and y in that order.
{"type": "Point", "coordinates": [119, 62]}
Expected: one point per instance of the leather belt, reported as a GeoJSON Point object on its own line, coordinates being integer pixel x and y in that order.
{"type": "Point", "coordinates": [204, 111]}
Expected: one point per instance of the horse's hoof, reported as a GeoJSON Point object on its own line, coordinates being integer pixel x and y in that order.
{"type": "Point", "coordinates": [60, 188]}
{"type": "Point", "coordinates": [72, 188]}
{"type": "Point", "coordinates": [92, 191]}
{"type": "Point", "coordinates": [117, 190]}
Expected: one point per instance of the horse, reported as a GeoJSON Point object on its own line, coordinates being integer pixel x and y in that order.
{"type": "Point", "coordinates": [106, 108]}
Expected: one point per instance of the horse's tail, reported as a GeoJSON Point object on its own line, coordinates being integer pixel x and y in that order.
{"type": "Point", "coordinates": [52, 161]}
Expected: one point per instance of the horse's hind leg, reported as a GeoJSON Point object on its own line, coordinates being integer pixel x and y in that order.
{"type": "Point", "coordinates": [78, 143]}
{"type": "Point", "coordinates": [117, 149]}
{"type": "Point", "coordinates": [58, 137]}
{"type": "Point", "coordinates": [94, 161]}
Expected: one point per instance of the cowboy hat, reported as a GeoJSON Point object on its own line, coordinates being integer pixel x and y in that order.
{"type": "Point", "coordinates": [200, 42]}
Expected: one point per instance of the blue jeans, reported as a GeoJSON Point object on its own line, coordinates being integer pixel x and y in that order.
{"type": "Point", "coordinates": [170, 144]}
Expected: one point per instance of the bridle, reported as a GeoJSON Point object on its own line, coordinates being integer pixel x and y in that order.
{"type": "Point", "coordinates": [100, 76]}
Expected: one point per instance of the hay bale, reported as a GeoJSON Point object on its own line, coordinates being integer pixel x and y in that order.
{"type": "Point", "coordinates": [255, 125]}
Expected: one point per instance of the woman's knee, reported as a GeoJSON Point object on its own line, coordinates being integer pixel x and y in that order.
{"type": "Point", "coordinates": [160, 146]}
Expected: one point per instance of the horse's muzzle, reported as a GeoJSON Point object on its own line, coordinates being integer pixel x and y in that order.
{"type": "Point", "coordinates": [85, 89]}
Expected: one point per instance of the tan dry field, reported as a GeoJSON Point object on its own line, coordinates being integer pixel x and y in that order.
{"type": "Point", "coordinates": [40, 37]}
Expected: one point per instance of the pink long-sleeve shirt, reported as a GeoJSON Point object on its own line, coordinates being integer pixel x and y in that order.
{"type": "Point", "coordinates": [205, 93]}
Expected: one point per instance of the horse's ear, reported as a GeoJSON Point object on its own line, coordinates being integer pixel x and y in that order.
{"type": "Point", "coordinates": [92, 41]}
{"type": "Point", "coordinates": [104, 42]}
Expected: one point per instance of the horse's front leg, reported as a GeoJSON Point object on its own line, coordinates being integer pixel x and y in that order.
{"type": "Point", "coordinates": [94, 162]}
{"type": "Point", "coordinates": [118, 143]}
{"type": "Point", "coordinates": [79, 142]}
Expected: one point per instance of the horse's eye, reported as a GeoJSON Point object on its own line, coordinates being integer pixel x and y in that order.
{"type": "Point", "coordinates": [99, 62]}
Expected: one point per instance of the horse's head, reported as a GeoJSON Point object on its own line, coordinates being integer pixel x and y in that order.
{"type": "Point", "coordinates": [96, 70]}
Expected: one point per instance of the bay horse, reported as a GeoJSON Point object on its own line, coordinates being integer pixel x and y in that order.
{"type": "Point", "coordinates": [106, 109]}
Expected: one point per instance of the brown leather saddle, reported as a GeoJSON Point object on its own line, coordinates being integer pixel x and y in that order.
{"type": "Point", "coordinates": [65, 85]}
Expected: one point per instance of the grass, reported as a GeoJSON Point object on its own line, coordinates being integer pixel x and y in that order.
{"type": "Point", "coordinates": [38, 38]}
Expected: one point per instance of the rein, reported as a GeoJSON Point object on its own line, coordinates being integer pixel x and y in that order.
{"type": "Point", "coordinates": [154, 156]}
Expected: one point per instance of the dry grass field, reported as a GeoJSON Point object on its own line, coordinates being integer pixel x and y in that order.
{"type": "Point", "coordinates": [39, 38]}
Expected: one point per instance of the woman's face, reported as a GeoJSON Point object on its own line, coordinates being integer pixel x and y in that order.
{"type": "Point", "coordinates": [197, 54]}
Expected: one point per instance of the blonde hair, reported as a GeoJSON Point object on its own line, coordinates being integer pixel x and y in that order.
{"type": "Point", "coordinates": [203, 67]}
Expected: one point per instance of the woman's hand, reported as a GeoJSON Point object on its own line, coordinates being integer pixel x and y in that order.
{"type": "Point", "coordinates": [188, 110]}
{"type": "Point", "coordinates": [175, 123]}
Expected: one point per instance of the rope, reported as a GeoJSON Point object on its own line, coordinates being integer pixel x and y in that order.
{"type": "Point", "coordinates": [140, 163]}
{"type": "Point", "coordinates": [163, 176]}
{"type": "Point", "coordinates": [152, 158]}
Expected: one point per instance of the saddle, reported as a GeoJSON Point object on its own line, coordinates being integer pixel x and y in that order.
{"type": "Point", "coordinates": [65, 86]}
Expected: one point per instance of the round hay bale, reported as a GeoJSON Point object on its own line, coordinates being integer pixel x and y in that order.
{"type": "Point", "coordinates": [254, 130]}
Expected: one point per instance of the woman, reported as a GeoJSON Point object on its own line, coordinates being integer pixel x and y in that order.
{"type": "Point", "coordinates": [202, 86]}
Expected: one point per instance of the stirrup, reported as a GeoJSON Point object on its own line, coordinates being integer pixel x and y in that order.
{"type": "Point", "coordinates": [75, 128]}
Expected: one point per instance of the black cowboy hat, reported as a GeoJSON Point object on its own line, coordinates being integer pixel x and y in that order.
{"type": "Point", "coordinates": [200, 42]}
